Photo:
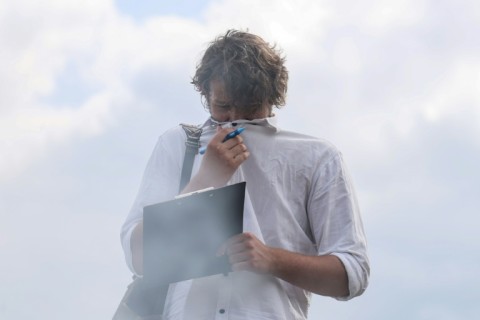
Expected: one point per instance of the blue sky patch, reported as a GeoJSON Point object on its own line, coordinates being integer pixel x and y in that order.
{"type": "Point", "coordinates": [149, 8]}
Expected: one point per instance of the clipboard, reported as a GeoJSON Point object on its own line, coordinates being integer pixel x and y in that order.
{"type": "Point", "coordinates": [181, 236]}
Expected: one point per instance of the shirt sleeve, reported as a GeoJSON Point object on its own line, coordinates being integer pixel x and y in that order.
{"type": "Point", "coordinates": [160, 182]}
{"type": "Point", "coordinates": [336, 223]}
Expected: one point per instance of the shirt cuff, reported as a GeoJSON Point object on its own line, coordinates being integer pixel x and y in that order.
{"type": "Point", "coordinates": [357, 274]}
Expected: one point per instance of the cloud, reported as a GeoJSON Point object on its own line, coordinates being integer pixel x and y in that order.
{"type": "Point", "coordinates": [49, 38]}
{"type": "Point", "coordinates": [107, 49]}
{"type": "Point", "coordinates": [110, 53]}
{"type": "Point", "coordinates": [41, 39]}
{"type": "Point", "coordinates": [391, 83]}
{"type": "Point", "coordinates": [457, 93]}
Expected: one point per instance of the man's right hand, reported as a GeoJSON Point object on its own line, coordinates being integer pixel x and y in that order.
{"type": "Point", "coordinates": [220, 161]}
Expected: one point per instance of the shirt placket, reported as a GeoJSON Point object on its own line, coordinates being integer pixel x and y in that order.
{"type": "Point", "coordinates": [224, 298]}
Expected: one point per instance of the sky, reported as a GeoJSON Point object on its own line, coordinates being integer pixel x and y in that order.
{"type": "Point", "coordinates": [86, 87]}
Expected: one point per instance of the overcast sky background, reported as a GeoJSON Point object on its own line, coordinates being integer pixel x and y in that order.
{"type": "Point", "coordinates": [87, 86]}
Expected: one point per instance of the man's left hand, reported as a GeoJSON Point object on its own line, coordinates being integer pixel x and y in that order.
{"type": "Point", "coordinates": [246, 253]}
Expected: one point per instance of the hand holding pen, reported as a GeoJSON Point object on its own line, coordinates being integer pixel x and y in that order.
{"type": "Point", "coordinates": [222, 157]}
{"type": "Point", "coordinates": [231, 135]}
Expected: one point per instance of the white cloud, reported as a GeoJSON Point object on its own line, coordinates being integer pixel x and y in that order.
{"type": "Point", "coordinates": [27, 133]}
{"type": "Point", "coordinates": [109, 49]}
{"type": "Point", "coordinates": [457, 93]}
{"type": "Point", "coordinates": [41, 38]}
{"type": "Point", "coordinates": [346, 56]}
{"type": "Point", "coordinates": [389, 82]}
{"type": "Point", "coordinates": [384, 15]}
{"type": "Point", "coordinates": [296, 26]}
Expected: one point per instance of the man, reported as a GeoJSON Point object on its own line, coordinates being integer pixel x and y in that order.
{"type": "Point", "coordinates": [303, 231]}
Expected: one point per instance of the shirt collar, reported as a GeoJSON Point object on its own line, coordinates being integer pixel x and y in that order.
{"type": "Point", "coordinates": [270, 123]}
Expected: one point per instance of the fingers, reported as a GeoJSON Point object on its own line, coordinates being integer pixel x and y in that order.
{"type": "Point", "coordinates": [222, 158]}
{"type": "Point", "coordinates": [221, 250]}
{"type": "Point", "coordinates": [238, 154]}
{"type": "Point", "coordinates": [233, 151]}
{"type": "Point", "coordinates": [232, 243]}
{"type": "Point", "coordinates": [219, 138]}
{"type": "Point", "coordinates": [234, 144]}
{"type": "Point", "coordinates": [221, 134]}
{"type": "Point", "coordinates": [235, 240]}
{"type": "Point", "coordinates": [246, 253]}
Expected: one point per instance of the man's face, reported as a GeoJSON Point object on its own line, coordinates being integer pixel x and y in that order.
{"type": "Point", "coordinates": [222, 110]}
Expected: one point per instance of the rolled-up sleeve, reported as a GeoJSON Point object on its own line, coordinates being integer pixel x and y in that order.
{"type": "Point", "coordinates": [336, 223]}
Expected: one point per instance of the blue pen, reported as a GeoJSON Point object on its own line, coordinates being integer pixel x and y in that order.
{"type": "Point", "coordinates": [227, 137]}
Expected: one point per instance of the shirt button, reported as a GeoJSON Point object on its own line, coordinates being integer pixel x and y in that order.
{"type": "Point", "coordinates": [222, 311]}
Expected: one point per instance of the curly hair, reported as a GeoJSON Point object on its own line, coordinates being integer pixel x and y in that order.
{"type": "Point", "coordinates": [252, 71]}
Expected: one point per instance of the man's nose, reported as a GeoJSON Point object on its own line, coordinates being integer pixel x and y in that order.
{"type": "Point", "coordinates": [234, 114]}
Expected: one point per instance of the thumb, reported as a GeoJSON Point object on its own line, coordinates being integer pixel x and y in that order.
{"type": "Point", "coordinates": [221, 251]}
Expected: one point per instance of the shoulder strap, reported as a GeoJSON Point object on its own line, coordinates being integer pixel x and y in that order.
{"type": "Point", "coordinates": [158, 295]}
{"type": "Point", "coordinates": [141, 301]}
{"type": "Point", "coordinates": [192, 144]}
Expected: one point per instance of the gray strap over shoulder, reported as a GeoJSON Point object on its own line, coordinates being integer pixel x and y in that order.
{"type": "Point", "coordinates": [192, 144]}
{"type": "Point", "coordinates": [140, 302]}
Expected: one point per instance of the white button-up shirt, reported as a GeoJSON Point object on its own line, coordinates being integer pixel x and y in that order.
{"type": "Point", "coordinates": [299, 198]}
